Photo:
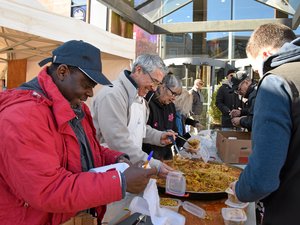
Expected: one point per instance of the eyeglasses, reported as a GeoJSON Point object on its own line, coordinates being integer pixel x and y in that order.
{"type": "Point", "coordinates": [174, 94]}
{"type": "Point", "coordinates": [154, 81]}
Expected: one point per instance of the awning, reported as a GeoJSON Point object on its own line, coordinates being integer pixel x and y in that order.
{"type": "Point", "coordinates": [28, 31]}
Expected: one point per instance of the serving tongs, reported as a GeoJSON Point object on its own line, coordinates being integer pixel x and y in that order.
{"type": "Point", "coordinates": [174, 143]}
{"type": "Point", "coordinates": [184, 139]}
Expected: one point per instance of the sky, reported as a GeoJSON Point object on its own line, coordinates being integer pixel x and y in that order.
{"type": "Point", "coordinates": [220, 10]}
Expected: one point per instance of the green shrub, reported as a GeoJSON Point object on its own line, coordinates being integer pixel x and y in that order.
{"type": "Point", "coordinates": [213, 111]}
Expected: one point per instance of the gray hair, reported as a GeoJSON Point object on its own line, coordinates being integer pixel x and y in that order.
{"type": "Point", "coordinates": [171, 81]}
{"type": "Point", "coordinates": [149, 63]}
{"type": "Point", "coordinates": [184, 102]}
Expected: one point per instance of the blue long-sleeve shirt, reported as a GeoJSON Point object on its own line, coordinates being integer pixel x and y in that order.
{"type": "Point", "coordinates": [270, 140]}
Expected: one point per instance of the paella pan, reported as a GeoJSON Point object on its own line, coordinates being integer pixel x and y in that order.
{"type": "Point", "coordinates": [206, 181]}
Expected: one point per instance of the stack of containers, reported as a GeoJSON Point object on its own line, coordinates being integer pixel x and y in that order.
{"type": "Point", "coordinates": [236, 213]}
{"type": "Point", "coordinates": [176, 185]}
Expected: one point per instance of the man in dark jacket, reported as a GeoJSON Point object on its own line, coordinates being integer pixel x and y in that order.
{"type": "Point", "coordinates": [48, 145]}
{"type": "Point", "coordinates": [227, 100]}
{"type": "Point", "coordinates": [272, 174]}
{"type": "Point", "coordinates": [244, 86]}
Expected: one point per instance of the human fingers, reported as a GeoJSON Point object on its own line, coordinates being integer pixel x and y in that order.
{"type": "Point", "coordinates": [150, 172]}
{"type": "Point", "coordinates": [232, 186]}
{"type": "Point", "coordinates": [136, 179]}
{"type": "Point", "coordinates": [166, 137]}
{"type": "Point", "coordinates": [171, 133]}
{"type": "Point", "coordinates": [233, 121]}
{"type": "Point", "coordinates": [192, 150]}
{"type": "Point", "coordinates": [125, 160]}
{"type": "Point", "coordinates": [139, 163]}
{"type": "Point", "coordinates": [164, 170]}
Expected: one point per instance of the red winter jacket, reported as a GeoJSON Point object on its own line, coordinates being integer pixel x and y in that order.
{"type": "Point", "coordinates": [40, 168]}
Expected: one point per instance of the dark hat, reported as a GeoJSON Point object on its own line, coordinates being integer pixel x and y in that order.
{"type": "Point", "coordinates": [82, 55]}
{"type": "Point", "coordinates": [237, 78]}
{"type": "Point", "coordinates": [230, 71]}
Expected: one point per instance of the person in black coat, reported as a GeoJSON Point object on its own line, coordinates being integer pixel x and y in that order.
{"type": "Point", "coordinates": [227, 100]}
{"type": "Point", "coordinates": [162, 113]}
{"type": "Point", "coordinates": [244, 86]}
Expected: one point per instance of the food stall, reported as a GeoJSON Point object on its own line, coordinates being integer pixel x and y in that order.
{"type": "Point", "coordinates": [202, 187]}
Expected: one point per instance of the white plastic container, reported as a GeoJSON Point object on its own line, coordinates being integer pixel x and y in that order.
{"type": "Point", "coordinates": [194, 209]}
{"type": "Point", "coordinates": [175, 203]}
{"type": "Point", "coordinates": [234, 216]}
{"type": "Point", "coordinates": [231, 196]}
{"type": "Point", "coordinates": [241, 205]}
{"type": "Point", "coordinates": [176, 183]}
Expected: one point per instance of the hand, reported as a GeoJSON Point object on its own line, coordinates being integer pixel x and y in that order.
{"type": "Point", "coordinates": [232, 186]}
{"type": "Point", "coordinates": [232, 197]}
{"type": "Point", "coordinates": [165, 137]}
{"type": "Point", "coordinates": [192, 150]}
{"type": "Point", "coordinates": [122, 158]}
{"type": "Point", "coordinates": [137, 178]}
{"type": "Point", "coordinates": [236, 121]}
{"type": "Point", "coordinates": [199, 126]}
{"type": "Point", "coordinates": [164, 170]}
{"type": "Point", "coordinates": [235, 113]}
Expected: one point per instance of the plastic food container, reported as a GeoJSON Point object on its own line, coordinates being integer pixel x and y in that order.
{"type": "Point", "coordinates": [194, 209]}
{"type": "Point", "coordinates": [170, 203]}
{"type": "Point", "coordinates": [232, 197]}
{"type": "Point", "coordinates": [233, 216]}
{"type": "Point", "coordinates": [176, 183]}
{"type": "Point", "coordinates": [241, 205]}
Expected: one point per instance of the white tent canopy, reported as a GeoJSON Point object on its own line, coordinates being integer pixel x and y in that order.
{"type": "Point", "coordinates": [28, 30]}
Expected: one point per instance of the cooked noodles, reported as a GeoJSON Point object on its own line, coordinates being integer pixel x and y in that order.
{"type": "Point", "coordinates": [204, 177]}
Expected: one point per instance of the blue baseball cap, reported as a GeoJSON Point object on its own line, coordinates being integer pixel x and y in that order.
{"type": "Point", "coordinates": [82, 55]}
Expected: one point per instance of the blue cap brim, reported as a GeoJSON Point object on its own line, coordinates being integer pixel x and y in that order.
{"type": "Point", "coordinates": [96, 76]}
{"type": "Point", "coordinates": [45, 61]}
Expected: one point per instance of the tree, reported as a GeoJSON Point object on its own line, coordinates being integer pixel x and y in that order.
{"type": "Point", "coordinates": [214, 113]}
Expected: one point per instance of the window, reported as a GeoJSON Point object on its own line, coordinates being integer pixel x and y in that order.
{"type": "Point", "coordinates": [79, 9]}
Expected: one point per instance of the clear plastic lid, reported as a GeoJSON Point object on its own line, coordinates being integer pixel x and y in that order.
{"type": "Point", "coordinates": [229, 191]}
{"type": "Point", "coordinates": [240, 205]}
{"type": "Point", "coordinates": [194, 209]}
{"type": "Point", "coordinates": [233, 214]}
{"type": "Point", "coordinates": [176, 183]}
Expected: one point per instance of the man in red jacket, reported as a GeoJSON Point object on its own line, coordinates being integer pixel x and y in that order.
{"type": "Point", "coordinates": [48, 145]}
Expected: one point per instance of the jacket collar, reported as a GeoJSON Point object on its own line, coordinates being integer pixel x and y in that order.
{"type": "Point", "coordinates": [250, 89]}
{"type": "Point", "coordinates": [130, 88]}
{"type": "Point", "coordinates": [61, 108]}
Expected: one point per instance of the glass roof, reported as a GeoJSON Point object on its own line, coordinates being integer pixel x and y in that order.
{"type": "Point", "coordinates": [156, 10]}
{"type": "Point", "coordinates": [287, 6]}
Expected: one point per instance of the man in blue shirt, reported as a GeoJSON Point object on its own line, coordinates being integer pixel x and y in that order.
{"type": "Point", "coordinates": [273, 171]}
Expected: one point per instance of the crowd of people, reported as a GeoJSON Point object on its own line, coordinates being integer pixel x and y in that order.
{"type": "Point", "coordinates": [51, 139]}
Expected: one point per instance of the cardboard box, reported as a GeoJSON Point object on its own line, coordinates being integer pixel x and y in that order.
{"type": "Point", "coordinates": [234, 146]}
